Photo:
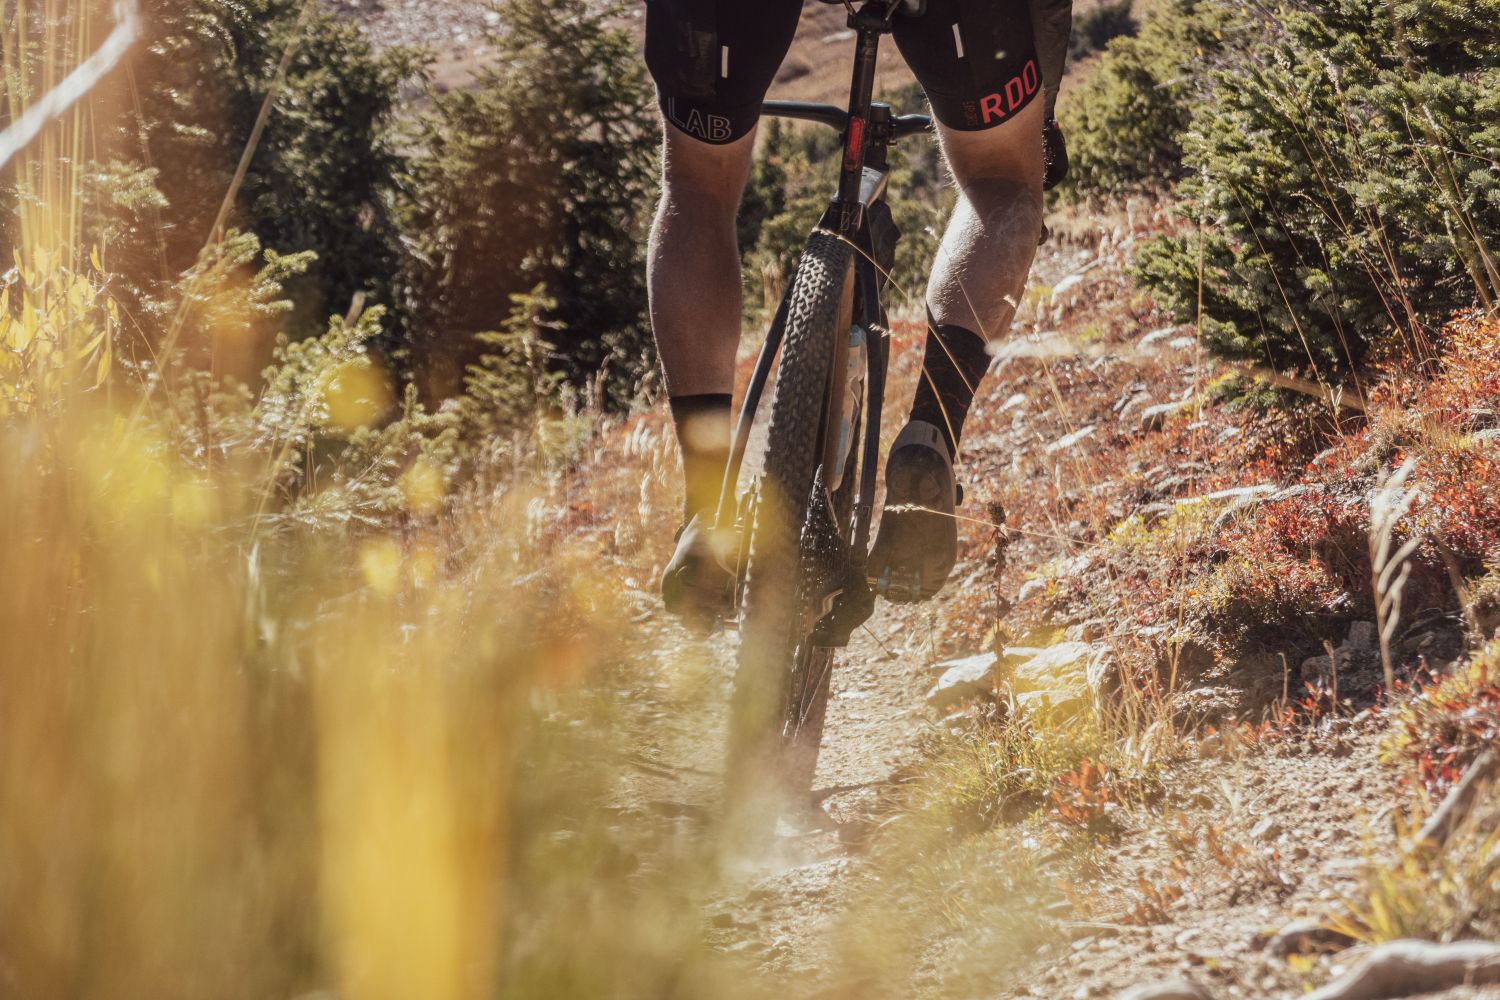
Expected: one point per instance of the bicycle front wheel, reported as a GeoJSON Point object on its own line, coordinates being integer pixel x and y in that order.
{"type": "Point", "coordinates": [781, 684]}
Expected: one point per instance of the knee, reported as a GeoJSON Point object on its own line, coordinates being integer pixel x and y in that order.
{"type": "Point", "coordinates": [691, 199]}
{"type": "Point", "coordinates": [704, 179]}
{"type": "Point", "coordinates": [1003, 199]}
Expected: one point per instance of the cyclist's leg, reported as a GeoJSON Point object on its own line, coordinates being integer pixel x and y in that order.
{"type": "Point", "coordinates": [693, 273]}
{"type": "Point", "coordinates": [976, 59]}
{"type": "Point", "coordinates": [981, 266]}
{"type": "Point", "coordinates": [713, 61]}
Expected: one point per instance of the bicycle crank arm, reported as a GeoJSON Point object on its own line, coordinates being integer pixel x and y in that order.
{"type": "Point", "coordinates": [852, 607]}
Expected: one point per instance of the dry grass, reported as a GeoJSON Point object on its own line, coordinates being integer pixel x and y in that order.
{"type": "Point", "coordinates": [1450, 895]}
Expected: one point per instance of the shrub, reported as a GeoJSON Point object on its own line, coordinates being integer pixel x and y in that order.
{"type": "Point", "coordinates": [1123, 124]}
{"type": "Point", "coordinates": [322, 175]}
{"type": "Point", "coordinates": [1447, 723]}
{"type": "Point", "coordinates": [1100, 26]}
{"type": "Point", "coordinates": [1342, 177]}
{"type": "Point", "coordinates": [542, 174]}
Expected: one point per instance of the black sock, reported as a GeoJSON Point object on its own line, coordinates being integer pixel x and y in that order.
{"type": "Point", "coordinates": [703, 434]}
{"type": "Point", "coordinates": [954, 363]}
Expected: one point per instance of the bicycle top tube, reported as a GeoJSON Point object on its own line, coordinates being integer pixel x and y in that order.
{"type": "Point", "coordinates": [838, 118]}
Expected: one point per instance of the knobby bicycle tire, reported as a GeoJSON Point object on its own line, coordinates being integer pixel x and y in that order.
{"type": "Point", "coordinates": [781, 684]}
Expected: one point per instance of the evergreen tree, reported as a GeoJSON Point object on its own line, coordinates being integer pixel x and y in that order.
{"type": "Point", "coordinates": [540, 176]}
{"type": "Point", "coordinates": [321, 178]}
{"type": "Point", "coordinates": [1343, 176]}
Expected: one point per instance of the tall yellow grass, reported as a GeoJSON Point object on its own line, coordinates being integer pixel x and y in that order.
{"type": "Point", "coordinates": [238, 762]}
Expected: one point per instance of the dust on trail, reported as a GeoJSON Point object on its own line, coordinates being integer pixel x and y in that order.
{"type": "Point", "coordinates": [1330, 803]}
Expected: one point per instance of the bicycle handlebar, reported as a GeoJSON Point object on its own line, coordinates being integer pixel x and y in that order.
{"type": "Point", "coordinates": [838, 118]}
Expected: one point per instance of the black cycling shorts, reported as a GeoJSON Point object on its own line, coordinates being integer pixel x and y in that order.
{"type": "Point", "coordinates": [714, 60]}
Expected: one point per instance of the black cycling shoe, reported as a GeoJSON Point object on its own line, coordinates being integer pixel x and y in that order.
{"type": "Point", "coordinates": [918, 540]}
{"type": "Point", "coordinates": [698, 584]}
{"type": "Point", "coordinates": [1055, 154]}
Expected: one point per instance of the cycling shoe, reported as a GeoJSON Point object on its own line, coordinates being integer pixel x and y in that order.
{"type": "Point", "coordinates": [698, 584]}
{"type": "Point", "coordinates": [918, 540]}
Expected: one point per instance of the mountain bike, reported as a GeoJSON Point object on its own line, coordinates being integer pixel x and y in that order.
{"type": "Point", "coordinates": [803, 523]}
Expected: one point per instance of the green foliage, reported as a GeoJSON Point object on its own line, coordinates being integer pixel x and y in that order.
{"type": "Point", "coordinates": [1123, 125]}
{"type": "Point", "coordinates": [541, 174]}
{"type": "Point", "coordinates": [794, 176]}
{"type": "Point", "coordinates": [321, 177]}
{"type": "Point", "coordinates": [1343, 175]}
{"type": "Point", "coordinates": [1100, 26]}
{"type": "Point", "coordinates": [510, 382]}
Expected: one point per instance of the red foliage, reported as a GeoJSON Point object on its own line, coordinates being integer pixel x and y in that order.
{"type": "Point", "coordinates": [1448, 722]}
{"type": "Point", "coordinates": [1460, 507]}
{"type": "Point", "coordinates": [1080, 797]}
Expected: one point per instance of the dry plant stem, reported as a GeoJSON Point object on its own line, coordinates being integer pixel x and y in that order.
{"type": "Point", "coordinates": [1388, 570]}
{"type": "Point", "coordinates": [59, 99]}
{"type": "Point", "coordinates": [1458, 804]}
{"type": "Point", "coordinates": [1333, 667]}
{"type": "Point", "coordinates": [1334, 396]}
{"type": "Point", "coordinates": [1405, 968]}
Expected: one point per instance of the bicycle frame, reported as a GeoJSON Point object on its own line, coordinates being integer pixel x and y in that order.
{"type": "Point", "coordinates": [859, 215]}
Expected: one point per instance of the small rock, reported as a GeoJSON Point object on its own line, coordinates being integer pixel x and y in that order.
{"type": "Point", "coordinates": [1172, 989]}
{"type": "Point", "coordinates": [1030, 589]}
{"type": "Point", "coordinates": [1052, 680]}
{"type": "Point", "coordinates": [1304, 937]}
{"type": "Point", "coordinates": [1063, 443]}
{"type": "Point", "coordinates": [1317, 667]}
{"type": "Point", "coordinates": [1153, 340]}
{"type": "Point", "coordinates": [1266, 830]}
{"type": "Point", "coordinates": [1154, 418]}
{"type": "Point", "coordinates": [1362, 638]}
{"type": "Point", "coordinates": [964, 678]}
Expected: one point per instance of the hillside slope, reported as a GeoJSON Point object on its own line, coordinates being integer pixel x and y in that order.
{"type": "Point", "coordinates": [1204, 830]}
{"type": "Point", "coordinates": [1083, 767]}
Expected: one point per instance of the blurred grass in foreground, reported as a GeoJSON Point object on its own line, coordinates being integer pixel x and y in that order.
{"type": "Point", "coordinates": [237, 767]}
{"type": "Point", "coordinates": [273, 721]}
